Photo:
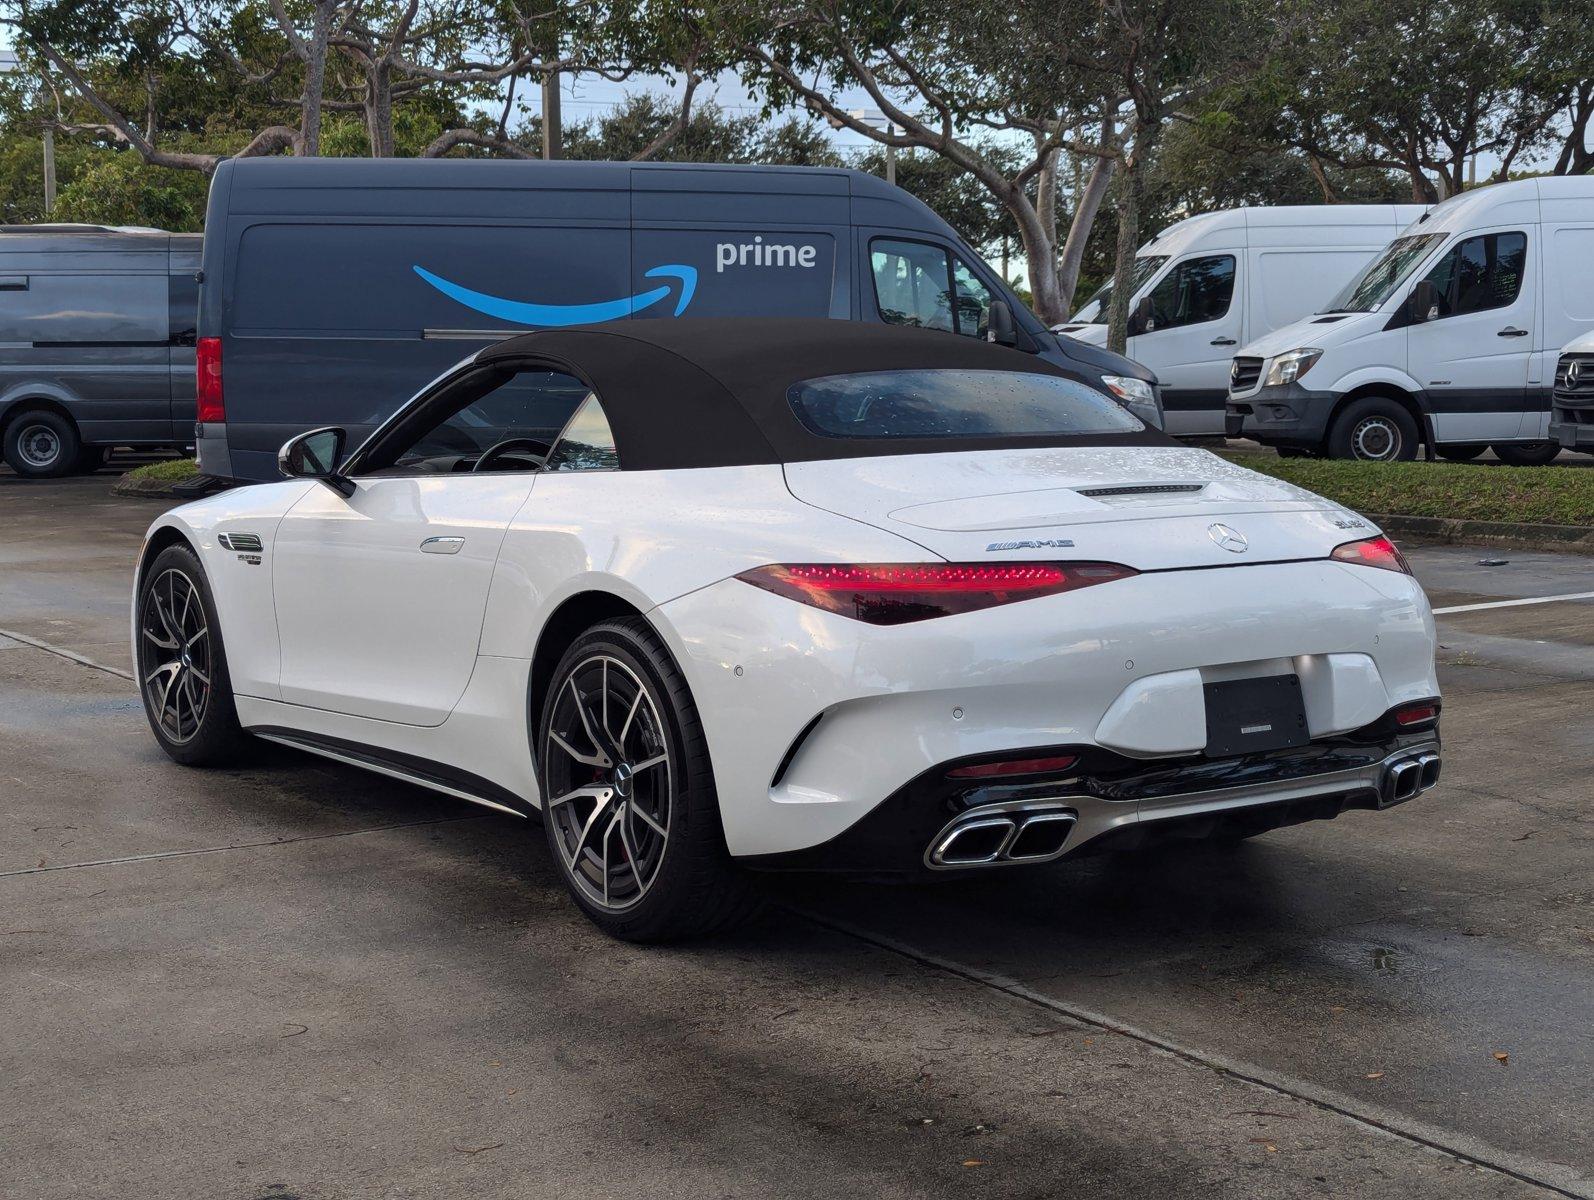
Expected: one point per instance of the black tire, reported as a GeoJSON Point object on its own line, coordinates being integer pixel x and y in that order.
{"type": "Point", "coordinates": [90, 459]}
{"type": "Point", "coordinates": [649, 787]}
{"type": "Point", "coordinates": [1461, 451]}
{"type": "Point", "coordinates": [1526, 454]}
{"type": "Point", "coordinates": [1374, 429]}
{"type": "Point", "coordinates": [183, 678]}
{"type": "Point", "coordinates": [41, 444]}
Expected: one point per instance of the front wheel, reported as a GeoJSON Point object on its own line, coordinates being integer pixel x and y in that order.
{"type": "Point", "coordinates": [1373, 429]}
{"type": "Point", "coordinates": [182, 666]}
{"type": "Point", "coordinates": [629, 804]}
{"type": "Point", "coordinates": [1526, 454]}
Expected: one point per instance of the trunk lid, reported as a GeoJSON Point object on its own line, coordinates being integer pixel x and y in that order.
{"type": "Point", "coordinates": [1151, 508]}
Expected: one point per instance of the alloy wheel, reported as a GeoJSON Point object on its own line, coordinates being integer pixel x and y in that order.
{"type": "Point", "coordinates": [1376, 438]}
{"type": "Point", "coordinates": [39, 446]}
{"type": "Point", "coordinates": [609, 781]}
{"type": "Point", "coordinates": [175, 655]}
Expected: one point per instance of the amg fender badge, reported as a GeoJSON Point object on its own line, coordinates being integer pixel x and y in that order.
{"type": "Point", "coordinates": [1041, 544]}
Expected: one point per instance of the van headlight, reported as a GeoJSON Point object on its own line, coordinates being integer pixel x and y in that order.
{"type": "Point", "coordinates": [1291, 365]}
{"type": "Point", "coordinates": [1137, 397]}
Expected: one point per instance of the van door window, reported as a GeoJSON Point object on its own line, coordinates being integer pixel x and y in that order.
{"type": "Point", "coordinates": [928, 287]}
{"type": "Point", "coordinates": [1196, 290]}
{"type": "Point", "coordinates": [1480, 273]}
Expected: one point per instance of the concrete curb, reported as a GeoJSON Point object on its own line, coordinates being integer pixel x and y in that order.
{"type": "Point", "coordinates": [148, 489]}
{"type": "Point", "coordinates": [1563, 539]}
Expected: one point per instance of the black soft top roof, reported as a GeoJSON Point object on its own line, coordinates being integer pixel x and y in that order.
{"type": "Point", "coordinates": [713, 392]}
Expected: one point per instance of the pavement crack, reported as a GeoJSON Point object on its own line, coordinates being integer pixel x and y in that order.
{"type": "Point", "coordinates": [1557, 1178]}
{"type": "Point", "coordinates": [283, 841]}
{"type": "Point", "coordinates": [63, 652]}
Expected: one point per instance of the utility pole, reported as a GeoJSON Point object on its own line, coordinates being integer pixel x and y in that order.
{"type": "Point", "coordinates": [49, 171]}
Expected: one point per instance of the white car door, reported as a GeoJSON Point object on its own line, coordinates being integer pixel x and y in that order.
{"type": "Point", "coordinates": [1471, 357]}
{"type": "Point", "coordinates": [380, 596]}
{"type": "Point", "coordinates": [1189, 340]}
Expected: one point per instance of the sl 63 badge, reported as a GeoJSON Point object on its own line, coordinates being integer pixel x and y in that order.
{"type": "Point", "coordinates": [1349, 523]}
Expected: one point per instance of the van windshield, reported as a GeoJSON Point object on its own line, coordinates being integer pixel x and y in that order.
{"type": "Point", "coordinates": [1379, 278]}
{"type": "Point", "coordinates": [1094, 311]}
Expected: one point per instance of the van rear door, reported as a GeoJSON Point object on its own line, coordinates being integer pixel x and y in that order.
{"type": "Point", "coordinates": [716, 243]}
{"type": "Point", "coordinates": [182, 302]}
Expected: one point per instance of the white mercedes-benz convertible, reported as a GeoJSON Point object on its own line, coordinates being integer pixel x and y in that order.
{"type": "Point", "coordinates": [711, 596]}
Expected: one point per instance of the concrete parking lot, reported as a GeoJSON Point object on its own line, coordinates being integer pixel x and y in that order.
{"type": "Point", "coordinates": [295, 979]}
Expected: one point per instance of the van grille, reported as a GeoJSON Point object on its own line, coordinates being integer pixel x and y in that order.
{"type": "Point", "coordinates": [1574, 379]}
{"type": "Point", "coordinates": [1244, 374]}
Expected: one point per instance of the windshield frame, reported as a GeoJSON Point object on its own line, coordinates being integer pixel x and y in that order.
{"type": "Point", "coordinates": [1426, 245]}
{"type": "Point", "coordinates": [1140, 278]}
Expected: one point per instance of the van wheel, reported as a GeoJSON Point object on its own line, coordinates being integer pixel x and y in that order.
{"type": "Point", "coordinates": [41, 444]}
{"type": "Point", "coordinates": [1526, 454]}
{"type": "Point", "coordinates": [1373, 429]}
{"type": "Point", "coordinates": [1462, 451]}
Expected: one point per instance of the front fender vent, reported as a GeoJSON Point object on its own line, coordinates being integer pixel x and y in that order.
{"type": "Point", "coordinates": [244, 543]}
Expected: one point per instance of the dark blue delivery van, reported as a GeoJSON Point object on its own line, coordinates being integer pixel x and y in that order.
{"type": "Point", "coordinates": [334, 289]}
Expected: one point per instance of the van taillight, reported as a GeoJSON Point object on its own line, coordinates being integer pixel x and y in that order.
{"type": "Point", "coordinates": [207, 380]}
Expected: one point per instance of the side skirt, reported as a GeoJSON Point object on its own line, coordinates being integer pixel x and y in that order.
{"type": "Point", "coordinates": [411, 769]}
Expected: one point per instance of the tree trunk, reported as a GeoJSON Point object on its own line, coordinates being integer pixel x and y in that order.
{"type": "Point", "coordinates": [552, 124]}
{"type": "Point", "coordinates": [379, 109]}
{"type": "Point", "coordinates": [1085, 210]}
{"type": "Point", "coordinates": [1040, 258]}
{"type": "Point", "coordinates": [1124, 264]}
{"type": "Point", "coordinates": [315, 74]}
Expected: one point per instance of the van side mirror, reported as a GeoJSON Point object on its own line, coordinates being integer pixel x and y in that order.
{"type": "Point", "coordinates": [999, 325]}
{"type": "Point", "coordinates": [316, 455]}
{"type": "Point", "coordinates": [1424, 303]}
{"type": "Point", "coordinates": [1141, 319]}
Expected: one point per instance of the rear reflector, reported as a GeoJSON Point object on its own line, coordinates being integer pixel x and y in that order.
{"type": "Point", "coordinates": [207, 380]}
{"type": "Point", "coordinates": [1416, 714]}
{"type": "Point", "coordinates": [1372, 552]}
{"type": "Point", "coordinates": [1014, 766]}
{"type": "Point", "coordinates": [896, 593]}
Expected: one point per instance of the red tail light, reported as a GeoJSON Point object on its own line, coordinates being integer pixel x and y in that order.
{"type": "Point", "coordinates": [1372, 552]}
{"type": "Point", "coordinates": [207, 380]}
{"type": "Point", "coordinates": [1014, 766]}
{"type": "Point", "coordinates": [1416, 714]}
{"type": "Point", "coordinates": [896, 593]}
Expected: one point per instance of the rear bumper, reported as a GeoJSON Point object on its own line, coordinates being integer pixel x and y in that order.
{"type": "Point", "coordinates": [937, 825]}
{"type": "Point", "coordinates": [814, 720]}
{"type": "Point", "coordinates": [210, 448]}
{"type": "Point", "coordinates": [1287, 415]}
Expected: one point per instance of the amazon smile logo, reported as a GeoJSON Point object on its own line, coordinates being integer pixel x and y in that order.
{"type": "Point", "coordinates": [524, 312]}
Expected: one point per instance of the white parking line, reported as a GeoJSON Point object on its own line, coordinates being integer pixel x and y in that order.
{"type": "Point", "coordinates": [1461, 608]}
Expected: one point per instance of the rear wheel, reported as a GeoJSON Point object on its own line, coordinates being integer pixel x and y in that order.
{"type": "Point", "coordinates": [41, 444]}
{"type": "Point", "coordinates": [182, 667]}
{"type": "Point", "coordinates": [1374, 429]}
{"type": "Point", "coordinates": [630, 809]}
{"type": "Point", "coordinates": [1526, 454]}
{"type": "Point", "coordinates": [1462, 451]}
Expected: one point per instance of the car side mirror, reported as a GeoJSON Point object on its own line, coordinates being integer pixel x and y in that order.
{"type": "Point", "coordinates": [1141, 320]}
{"type": "Point", "coordinates": [316, 454]}
{"type": "Point", "coordinates": [999, 325]}
{"type": "Point", "coordinates": [1424, 302]}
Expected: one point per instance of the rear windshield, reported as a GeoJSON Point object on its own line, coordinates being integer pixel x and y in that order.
{"type": "Point", "coordinates": [954, 404]}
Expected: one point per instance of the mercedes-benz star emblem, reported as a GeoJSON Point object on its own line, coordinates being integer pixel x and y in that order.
{"type": "Point", "coordinates": [1229, 538]}
{"type": "Point", "coordinates": [1574, 371]}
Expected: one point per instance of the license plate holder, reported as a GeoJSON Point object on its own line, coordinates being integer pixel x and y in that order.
{"type": "Point", "coordinates": [1245, 716]}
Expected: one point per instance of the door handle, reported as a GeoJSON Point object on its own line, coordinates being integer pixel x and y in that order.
{"type": "Point", "coordinates": [442, 545]}
{"type": "Point", "coordinates": [1512, 331]}
{"type": "Point", "coordinates": [1222, 342]}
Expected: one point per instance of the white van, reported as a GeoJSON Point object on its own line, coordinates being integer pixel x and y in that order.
{"type": "Point", "coordinates": [1450, 336]}
{"type": "Point", "coordinates": [1222, 279]}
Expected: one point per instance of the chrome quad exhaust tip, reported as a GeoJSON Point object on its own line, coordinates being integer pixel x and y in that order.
{"type": "Point", "coordinates": [993, 839]}
{"type": "Point", "coordinates": [1408, 777]}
